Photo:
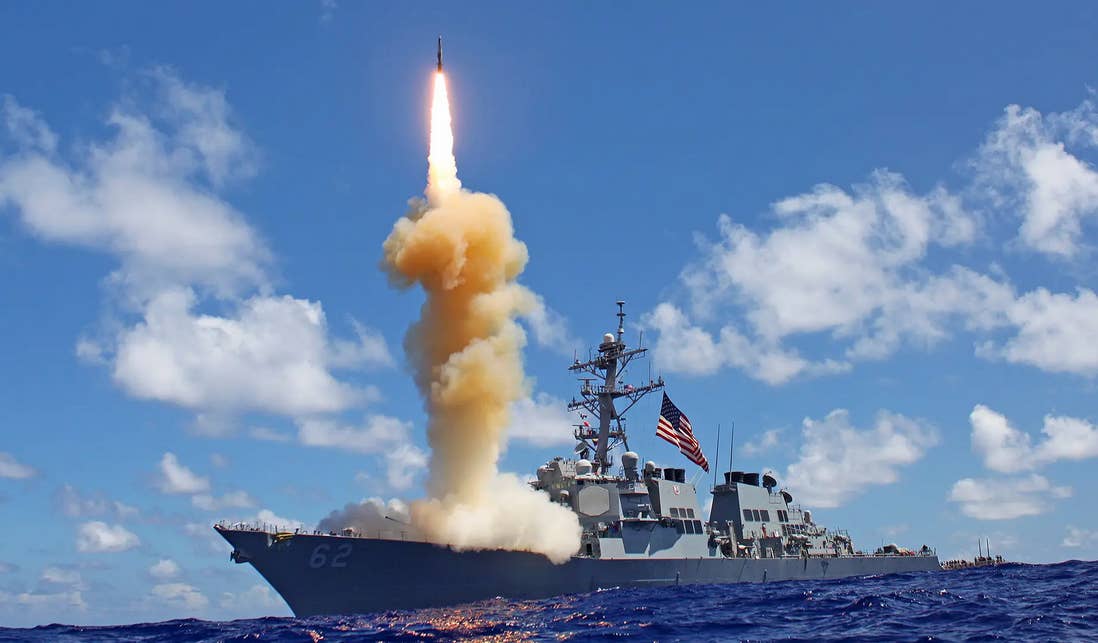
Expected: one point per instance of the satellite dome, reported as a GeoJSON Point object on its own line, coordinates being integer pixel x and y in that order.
{"type": "Point", "coordinates": [608, 338]}
{"type": "Point", "coordinates": [583, 467]}
{"type": "Point", "coordinates": [629, 460]}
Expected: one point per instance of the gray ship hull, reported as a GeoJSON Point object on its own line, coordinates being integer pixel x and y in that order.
{"type": "Point", "coordinates": [318, 574]}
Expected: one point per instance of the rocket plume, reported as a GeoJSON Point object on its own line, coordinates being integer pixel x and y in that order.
{"type": "Point", "coordinates": [466, 352]}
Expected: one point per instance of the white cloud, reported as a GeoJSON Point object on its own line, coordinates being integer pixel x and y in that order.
{"type": "Point", "coordinates": [1055, 332]}
{"type": "Point", "coordinates": [232, 499]}
{"type": "Point", "coordinates": [271, 519]}
{"type": "Point", "coordinates": [148, 196]}
{"type": "Point", "coordinates": [1009, 450]}
{"type": "Point", "coordinates": [269, 356]}
{"type": "Point", "coordinates": [61, 576]}
{"type": "Point", "coordinates": [205, 538]}
{"type": "Point", "coordinates": [765, 442]}
{"type": "Point", "coordinates": [164, 569]}
{"type": "Point", "coordinates": [854, 264]}
{"type": "Point", "coordinates": [1024, 164]}
{"type": "Point", "coordinates": [1076, 537]}
{"type": "Point", "coordinates": [12, 468]}
{"type": "Point", "coordinates": [837, 259]}
{"type": "Point", "coordinates": [541, 420]}
{"type": "Point", "coordinates": [204, 129]}
{"type": "Point", "coordinates": [177, 478]}
{"type": "Point", "coordinates": [550, 327]}
{"type": "Point", "coordinates": [257, 600]}
{"type": "Point", "coordinates": [26, 127]}
{"type": "Point", "coordinates": [837, 461]}
{"type": "Point", "coordinates": [682, 347]}
{"type": "Point", "coordinates": [268, 434]}
{"type": "Point", "coordinates": [131, 197]}
{"type": "Point", "coordinates": [370, 349]}
{"type": "Point", "coordinates": [1006, 498]}
{"type": "Point", "coordinates": [180, 595]}
{"type": "Point", "coordinates": [45, 600]}
{"type": "Point", "coordinates": [75, 505]}
{"type": "Point", "coordinates": [96, 536]}
{"type": "Point", "coordinates": [379, 435]}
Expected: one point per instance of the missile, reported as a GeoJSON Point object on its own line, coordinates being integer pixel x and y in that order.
{"type": "Point", "coordinates": [440, 54]}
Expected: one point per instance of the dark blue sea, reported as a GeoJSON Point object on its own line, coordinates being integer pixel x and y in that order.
{"type": "Point", "coordinates": [1007, 603]}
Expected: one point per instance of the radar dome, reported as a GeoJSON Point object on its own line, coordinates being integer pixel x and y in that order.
{"type": "Point", "coordinates": [629, 460]}
{"type": "Point", "coordinates": [649, 466]}
{"type": "Point", "coordinates": [583, 467]}
{"type": "Point", "coordinates": [608, 338]}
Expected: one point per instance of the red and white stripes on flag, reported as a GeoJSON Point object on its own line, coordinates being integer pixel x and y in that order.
{"type": "Point", "coordinates": [675, 427]}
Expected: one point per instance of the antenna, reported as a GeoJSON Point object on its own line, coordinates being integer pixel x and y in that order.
{"type": "Point", "coordinates": [621, 319]}
{"type": "Point", "coordinates": [732, 445]}
{"type": "Point", "coordinates": [717, 458]}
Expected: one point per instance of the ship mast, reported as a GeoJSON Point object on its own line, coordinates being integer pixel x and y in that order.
{"type": "Point", "coordinates": [598, 399]}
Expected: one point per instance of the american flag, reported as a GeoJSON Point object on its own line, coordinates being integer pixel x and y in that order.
{"type": "Point", "coordinates": [675, 427]}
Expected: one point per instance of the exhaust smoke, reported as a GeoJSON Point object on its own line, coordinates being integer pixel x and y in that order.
{"type": "Point", "coordinates": [466, 353]}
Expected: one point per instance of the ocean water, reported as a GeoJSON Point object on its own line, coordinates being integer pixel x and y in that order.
{"type": "Point", "coordinates": [1007, 603]}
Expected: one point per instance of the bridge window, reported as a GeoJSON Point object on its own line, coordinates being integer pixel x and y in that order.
{"type": "Point", "coordinates": [765, 515]}
{"type": "Point", "coordinates": [757, 514]}
{"type": "Point", "coordinates": [674, 512]}
{"type": "Point", "coordinates": [747, 515]}
{"type": "Point", "coordinates": [689, 524]}
{"type": "Point", "coordinates": [698, 527]}
{"type": "Point", "coordinates": [689, 513]}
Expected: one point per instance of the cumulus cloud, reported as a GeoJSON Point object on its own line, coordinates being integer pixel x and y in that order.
{"type": "Point", "coordinates": [1009, 450]}
{"type": "Point", "coordinates": [270, 354]}
{"type": "Point", "coordinates": [837, 461]}
{"type": "Point", "coordinates": [45, 600]}
{"type": "Point", "coordinates": [74, 504]}
{"type": "Point", "coordinates": [26, 127]}
{"type": "Point", "coordinates": [177, 478]}
{"type": "Point", "coordinates": [1006, 498]}
{"type": "Point", "coordinates": [180, 595]}
{"type": "Point", "coordinates": [683, 347]}
{"type": "Point", "coordinates": [164, 569]}
{"type": "Point", "coordinates": [97, 536]}
{"type": "Point", "coordinates": [257, 600]}
{"type": "Point", "coordinates": [860, 266]}
{"type": "Point", "coordinates": [1055, 332]}
{"type": "Point", "coordinates": [1076, 537]}
{"type": "Point", "coordinates": [200, 326]}
{"type": "Point", "coordinates": [541, 420]}
{"type": "Point", "coordinates": [380, 435]}
{"type": "Point", "coordinates": [61, 576]}
{"type": "Point", "coordinates": [765, 442]}
{"type": "Point", "coordinates": [271, 519]}
{"type": "Point", "coordinates": [230, 500]}
{"type": "Point", "coordinates": [1025, 164]}
{"type": "Point", "coordinates": [12, 468]}
{"type": "Point", "coordinates": [550, 328]}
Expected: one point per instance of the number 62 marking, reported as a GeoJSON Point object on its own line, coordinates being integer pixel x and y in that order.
{"type": "Point", "coordinates": [320, 558]}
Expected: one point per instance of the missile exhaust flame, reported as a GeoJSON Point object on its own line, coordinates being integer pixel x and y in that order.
{"type": "Point", "coordinates": [466, 352]}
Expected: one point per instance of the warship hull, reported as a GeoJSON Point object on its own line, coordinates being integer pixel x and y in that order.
{"type": "Point", "coordinates": [321, 574]}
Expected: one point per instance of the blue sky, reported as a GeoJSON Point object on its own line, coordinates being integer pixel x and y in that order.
{"type": "Point", "coordinates": [864, 234]}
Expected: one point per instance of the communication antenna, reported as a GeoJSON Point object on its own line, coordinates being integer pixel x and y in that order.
{"type": "Point", "coordinates": [716, 465]}
{"type": "Point", "coordinates": [732, 446]}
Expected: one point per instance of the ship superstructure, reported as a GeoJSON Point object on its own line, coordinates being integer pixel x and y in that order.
{"type": "Point", "coordinates": [642, 525]}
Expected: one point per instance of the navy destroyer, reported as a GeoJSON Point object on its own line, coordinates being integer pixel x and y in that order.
{"type": "Point", "coordinates": [642, 525]}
